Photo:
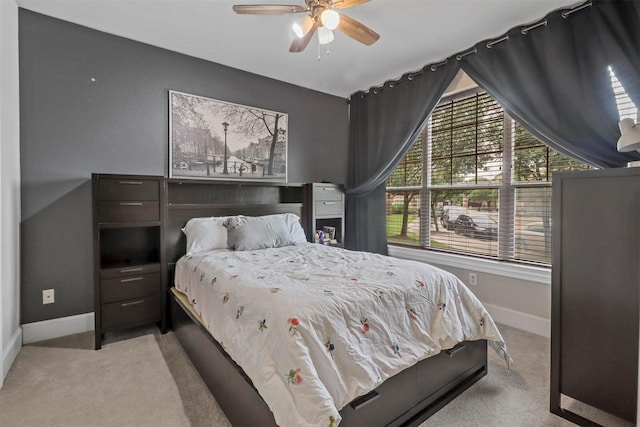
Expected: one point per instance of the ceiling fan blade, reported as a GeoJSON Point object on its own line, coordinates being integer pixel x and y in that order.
{"type": "Point", "coordinates": [300, 43]}
{"type": "Point", "coordinates": [357, 30]}
{"type": "Point", "coordinates": [267, 9]}
{"type": "Point", "coordinates": [347, 3]}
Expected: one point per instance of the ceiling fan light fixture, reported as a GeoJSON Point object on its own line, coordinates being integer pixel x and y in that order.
{"type": "Point", "coordinates": [330, 19]}
{"type": "Point", "coordinates": [297, 29]}
{"type": "Point", "coordinates": [303, 26]}
{"type": "Point", "coordinates": [325, 35]}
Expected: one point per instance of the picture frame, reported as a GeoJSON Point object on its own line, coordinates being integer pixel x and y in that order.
{"type": "Point", "coordinates": [329, 232]}
{"type": "Point", "coordinates": [219, 140]}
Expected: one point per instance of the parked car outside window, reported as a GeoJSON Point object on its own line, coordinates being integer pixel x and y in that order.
{"type": "Point", "coordinates": [450, 215]}
{"type": "Point", "coordinates": [477, 226]}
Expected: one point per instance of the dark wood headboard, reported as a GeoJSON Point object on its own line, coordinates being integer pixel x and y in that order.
{"type": "Point", "coordinates": [188, 199]}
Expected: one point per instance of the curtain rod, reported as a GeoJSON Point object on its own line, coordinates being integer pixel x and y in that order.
{"type": "Point", "coordinates": [433, 67]}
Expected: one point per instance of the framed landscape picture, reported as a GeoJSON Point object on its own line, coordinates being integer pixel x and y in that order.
{"type": "Point", "coordinates": [212, 139]}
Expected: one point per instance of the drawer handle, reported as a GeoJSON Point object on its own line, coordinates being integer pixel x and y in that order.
{"type": "Point", "coordinates": [329, 203]}
{"type": "Point", "coordinates": [329, 189]}
{"type": "Point", "coordinates": [126, 304]}
{"type": "Point", "coordinates": [131, 279]}
{"type": "Point", "coordinates": [130, 182]}
{"type": "Point", "coordinates": [130, 203]}
{"type": "Point", "coordinates": [131, 270]}
{"type": "Point", "coordinates": [455, 349]}
{"type": "Point", "coordinates": [363, 400]}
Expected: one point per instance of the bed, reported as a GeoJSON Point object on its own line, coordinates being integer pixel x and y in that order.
{"type": "Point", "coordinates": [338, 337]}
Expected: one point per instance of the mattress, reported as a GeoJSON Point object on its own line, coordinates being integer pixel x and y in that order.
{"type": "Point", "coordinates": [315, 327]}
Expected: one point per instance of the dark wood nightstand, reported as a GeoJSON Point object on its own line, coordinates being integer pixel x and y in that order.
{"type": "Point", "coordinates": [128, 244]}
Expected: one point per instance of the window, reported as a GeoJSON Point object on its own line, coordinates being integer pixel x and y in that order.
{"type": "Point", "coordinates": [477, 183]}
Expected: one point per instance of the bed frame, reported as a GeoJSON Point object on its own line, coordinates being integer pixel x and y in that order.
{"type": "Point", "coordinates": [405, 399]}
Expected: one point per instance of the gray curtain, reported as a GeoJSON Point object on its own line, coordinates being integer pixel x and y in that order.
{"type": "Point", "coordinates": [384, 122]}
{"type": "Point", "coordinates": [554, 80]}
{"type": "Point", "coordinates": [618, 35]}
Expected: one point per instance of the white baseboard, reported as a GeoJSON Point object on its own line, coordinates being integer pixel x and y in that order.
{"type": "Point", "coordinates": [54, 328]}
{"type": "Point", "coordinates": [517, 319]}
{"type": "Point", "coordinates": [10, 353]}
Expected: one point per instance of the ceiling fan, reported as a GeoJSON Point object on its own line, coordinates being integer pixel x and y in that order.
{"type": "Point", "coordinates": [321, 15]}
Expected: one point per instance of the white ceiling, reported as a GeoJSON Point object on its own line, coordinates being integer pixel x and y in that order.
{"type": "Point", "coordinates": [413, 33]}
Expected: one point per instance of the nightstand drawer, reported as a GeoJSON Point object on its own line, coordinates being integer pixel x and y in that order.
{"type": "Point", "coordinates": [326, 192]}
{"type": "Point", "coordinates": [129, 211]}
{"type": "Point", "coordinates": [130, 270]}
{"type": "Point", "coordinates": [129, 189]}
{"type": "Point", "coordinates": [328, 208]}
{"type": "Point", "coordinates": [132, 312]}
{"type": "Point", "coordinates": [123, 288]}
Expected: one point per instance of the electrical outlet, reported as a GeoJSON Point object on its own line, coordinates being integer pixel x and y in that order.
{"type": "Point", "coordinates": [473, 279]}
{"type": "Point", "coordinates": [48, 296]}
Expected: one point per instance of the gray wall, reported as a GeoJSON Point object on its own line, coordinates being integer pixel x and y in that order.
{"type": "Point", "coordinates": [71, 127]}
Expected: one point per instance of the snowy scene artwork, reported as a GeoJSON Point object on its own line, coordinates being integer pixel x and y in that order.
{"type": "Point", "coordinates": [212, 139]}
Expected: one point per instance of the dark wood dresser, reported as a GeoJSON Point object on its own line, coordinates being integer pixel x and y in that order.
{"type": "Point", "coordinates": [128, 240]}
{"type": "Point", "coordinates": [595, 291]}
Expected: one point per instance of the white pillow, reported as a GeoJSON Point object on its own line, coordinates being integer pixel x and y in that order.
{"type": "Point", "coordinates": [205, 234]}
{"type": "Point", "coordinates": [293, 223]}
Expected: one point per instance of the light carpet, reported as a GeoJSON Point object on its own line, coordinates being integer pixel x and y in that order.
{"type": "Point", "coordinates": [143, 378]}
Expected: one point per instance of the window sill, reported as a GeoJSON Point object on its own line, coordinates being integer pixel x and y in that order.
{"type": "Point", "coordinates": [535, 274]}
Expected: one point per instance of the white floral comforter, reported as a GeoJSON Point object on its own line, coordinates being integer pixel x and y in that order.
{"type": "Point", "coordinates": [315, 327]}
